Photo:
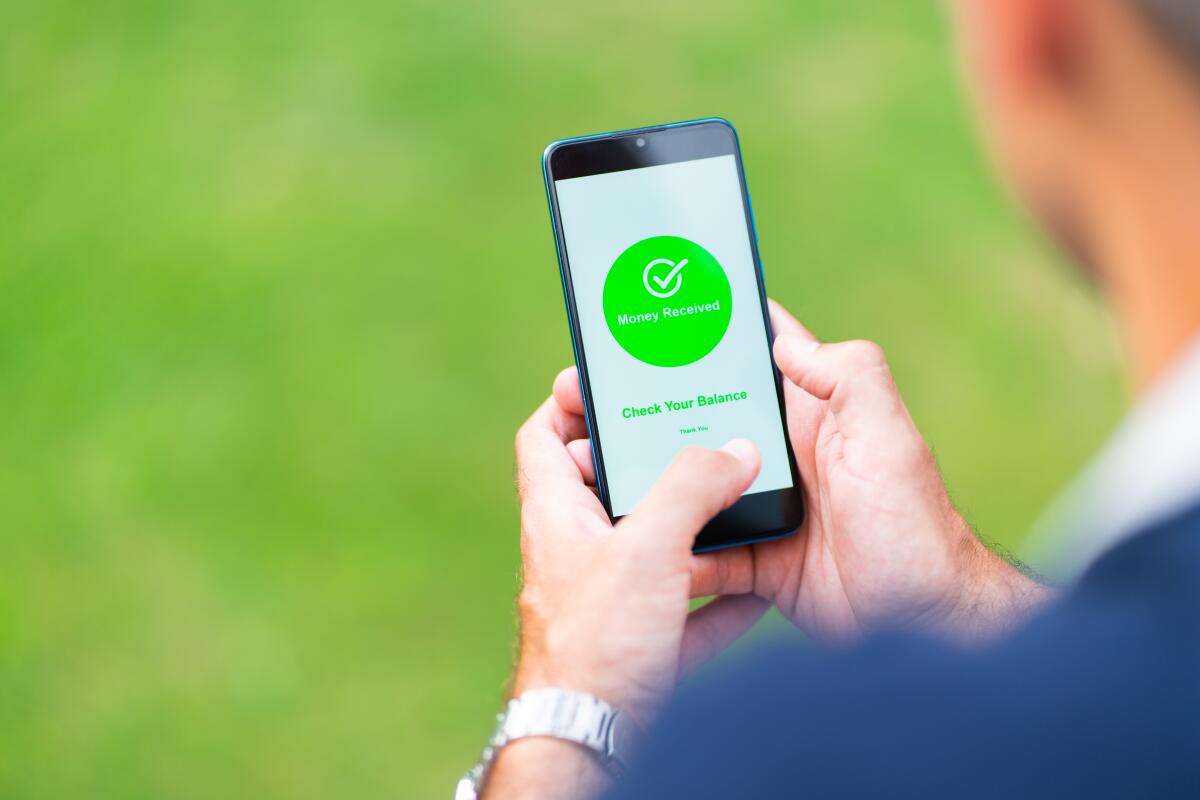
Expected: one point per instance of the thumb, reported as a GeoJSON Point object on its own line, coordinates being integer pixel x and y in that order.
{"type": "Point", "coordinates": [853, 376]}
{"type": "Point", "coordinates": [697, 486]}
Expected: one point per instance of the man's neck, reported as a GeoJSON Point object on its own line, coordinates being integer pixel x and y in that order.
{"type": "Point", "coordinates": [1150, 239]}
{"type": "Point", "coordinates": [1138, 187]}
{"type": "Point", "coordinates": [1158, 307]}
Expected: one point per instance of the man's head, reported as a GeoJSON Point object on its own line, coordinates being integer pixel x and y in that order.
{"type": "Point", "coordinates": [1093, 110]}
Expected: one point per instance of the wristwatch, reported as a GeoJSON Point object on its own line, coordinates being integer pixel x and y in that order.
{"type": "Point", "coordinates": [560, 714]}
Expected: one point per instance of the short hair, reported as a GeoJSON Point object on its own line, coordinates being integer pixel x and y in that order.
{"type": "Point", "coordinates": [1178, 22]}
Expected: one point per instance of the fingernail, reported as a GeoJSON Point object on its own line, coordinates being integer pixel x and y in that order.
{"type": "Point", "coordinates": [743, 450]}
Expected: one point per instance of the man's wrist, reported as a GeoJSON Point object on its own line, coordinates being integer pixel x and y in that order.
{"type": "Point", "coordinates": [581, 726]}
{"type": "Point", "coordinates": [994, 595]}
{"type": "Point", "coordinates": [543, 768]}
{"type": "Point", "coordinates": [539, 673]}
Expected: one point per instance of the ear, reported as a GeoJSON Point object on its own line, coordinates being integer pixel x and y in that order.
{"type": "Point", "coordinates": [1030, 47]}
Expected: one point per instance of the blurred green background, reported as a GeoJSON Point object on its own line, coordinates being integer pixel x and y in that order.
{"type": "Point", "coordinates": [277, 286]}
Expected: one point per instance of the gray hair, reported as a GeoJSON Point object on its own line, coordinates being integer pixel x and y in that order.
{"type": "Point", "coordinates": [1178, 21]}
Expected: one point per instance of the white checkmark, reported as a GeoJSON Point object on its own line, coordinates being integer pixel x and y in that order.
{"type": "Point", "coordinates": [664, 282]}
{"type": "Point", "coordinates": [672, 278]}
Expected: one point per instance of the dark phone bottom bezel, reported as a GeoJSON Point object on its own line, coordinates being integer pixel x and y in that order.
{"type": "Point", "coordinates": [754, 518]}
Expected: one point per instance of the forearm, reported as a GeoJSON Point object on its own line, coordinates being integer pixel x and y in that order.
{"type": "Point", "coordinates": [999, 593]}
{"type": "Point", "coordinates": [544, 769]}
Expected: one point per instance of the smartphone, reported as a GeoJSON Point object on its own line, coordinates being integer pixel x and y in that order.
{"type": "Point", "coordinates": [668, 314]}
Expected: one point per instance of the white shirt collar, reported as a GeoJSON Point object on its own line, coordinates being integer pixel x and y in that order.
{"type": "Point", "coordinates": [1147, 471]}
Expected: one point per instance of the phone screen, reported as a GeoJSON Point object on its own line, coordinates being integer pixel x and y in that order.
{"type": "Point", "coordinates": [670, 319]}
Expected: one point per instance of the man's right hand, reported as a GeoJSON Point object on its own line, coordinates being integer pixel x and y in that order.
{"type": "Point", "coordinates": [881, 542]}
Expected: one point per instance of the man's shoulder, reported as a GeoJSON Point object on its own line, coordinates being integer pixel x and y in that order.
{"type": "Point", "coordinates": [1163, 557]}
{"type": "Point", "coordinates": [1096, 695]}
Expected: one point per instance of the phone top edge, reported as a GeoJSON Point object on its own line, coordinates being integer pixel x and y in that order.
{"type": "Point", "coordinates": [593, 137]}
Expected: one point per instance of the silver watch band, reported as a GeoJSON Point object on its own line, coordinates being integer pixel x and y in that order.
{"type": "Point", "coordinates": [561, 714]}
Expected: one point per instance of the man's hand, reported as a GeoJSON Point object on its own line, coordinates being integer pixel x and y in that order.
{"type": "Point", "coordinates": [882, 541]}
{"type": "Point", "coordinates": [604, 609]}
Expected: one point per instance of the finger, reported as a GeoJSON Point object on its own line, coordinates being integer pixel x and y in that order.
{"type": "Point", "coordinates": [581, 454]}
{"type": "Point", "coordinates": [853, 376]}
{"type": "Point", "coordinates": [802, 406]}
{"type": "Point", "coordinates": [550, 417]}
{"type": "Point", "coordinates": [694, 489]}
{"type": "Point", "coordinates": [724, 572]}
{"type": "Point", "coordinates": [568, 424]}
{"type": "Point", "coordinates": [568, 393]}
{"type": "Point", "coordinates": [785, 324]}
{"type": "Point", "coordinates": [569, 427]}
{"type": "Point", "coordinates": [712, 628]}
{"type": "Point", "coordinates": [542, 457]}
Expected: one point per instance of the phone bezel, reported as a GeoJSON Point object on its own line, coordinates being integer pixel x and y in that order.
{"type": "Point", "coordinates": [755, 517]}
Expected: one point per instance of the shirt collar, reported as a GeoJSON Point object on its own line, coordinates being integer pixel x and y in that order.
{"type": "Point", "coordinates": [1148, 470]}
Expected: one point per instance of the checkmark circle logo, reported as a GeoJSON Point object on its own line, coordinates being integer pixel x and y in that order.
{"type": "Point", "coordinates": [667, 301]}
{"type": "Point", "coordinates": [672, 279]}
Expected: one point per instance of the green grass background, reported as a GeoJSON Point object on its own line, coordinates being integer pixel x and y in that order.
{"type": "Point", "coordinates": [277, 286]}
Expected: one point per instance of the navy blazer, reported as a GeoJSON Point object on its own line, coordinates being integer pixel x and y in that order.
{"type": "Point", "coordinates": [1098, 696]}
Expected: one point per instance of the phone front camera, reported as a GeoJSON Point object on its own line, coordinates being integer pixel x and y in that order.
{"type": "Point", "coordinates": [641, 142]}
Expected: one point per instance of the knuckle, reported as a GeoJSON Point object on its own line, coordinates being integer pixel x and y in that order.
{"type": "Point", "coordinates": [689, 457]}
{"type": "Point", "coordinates": [528, 603]}
{"type": "Point", "coordinates": [867, 353]}
{"type": "Point", "coordinates": [532, 609]}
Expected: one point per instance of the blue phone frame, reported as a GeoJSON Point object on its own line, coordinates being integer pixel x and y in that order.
{"type": "Point", "coordinates": [573, 321]}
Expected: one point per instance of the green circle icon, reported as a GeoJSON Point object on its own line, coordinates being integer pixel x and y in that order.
{"type": "Point", "coordinates": [667, 301]}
